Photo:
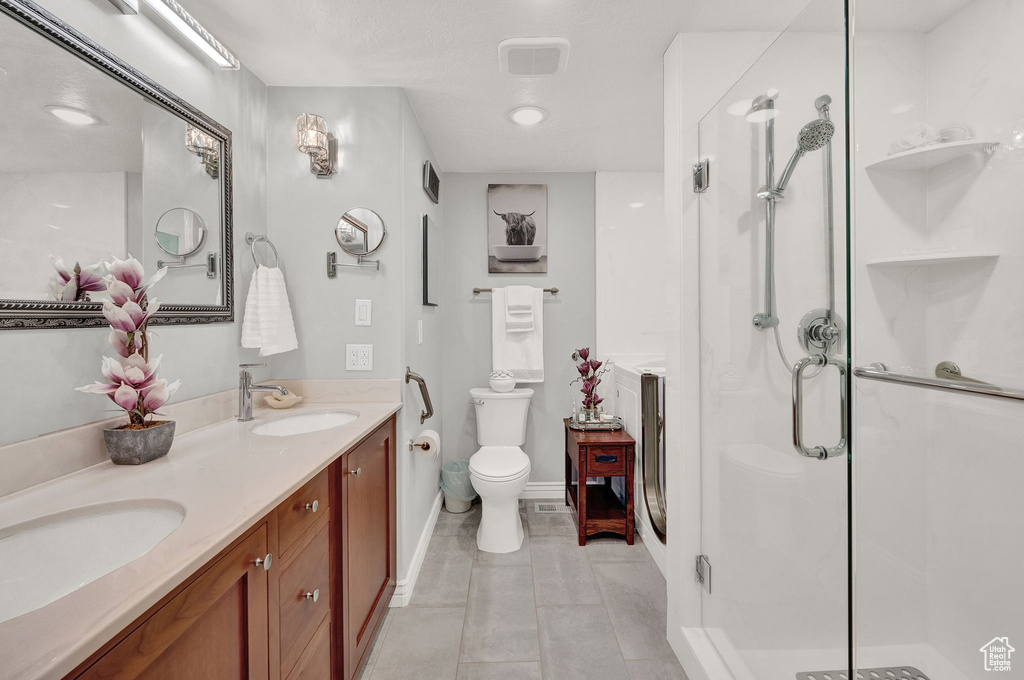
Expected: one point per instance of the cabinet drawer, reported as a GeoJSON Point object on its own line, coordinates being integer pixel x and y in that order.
{"type": "Point", "coordinates": [300, 614]}
{"type": "Point", "coordinates": [315, 663]}
{"type": "Point", "coordinates": [294, 517]}
{"type": "Point", "coordinates": [606, 460]}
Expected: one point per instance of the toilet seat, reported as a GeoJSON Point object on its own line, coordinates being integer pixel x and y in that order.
{"type": "Point", "coordinates": [499, 463]}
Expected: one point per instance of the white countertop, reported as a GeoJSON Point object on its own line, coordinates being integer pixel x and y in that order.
{"type": "Point", "coordinates": [222, 475]}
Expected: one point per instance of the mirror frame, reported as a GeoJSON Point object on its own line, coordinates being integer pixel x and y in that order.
{"type": "Point", "coordinates": [38, 314]}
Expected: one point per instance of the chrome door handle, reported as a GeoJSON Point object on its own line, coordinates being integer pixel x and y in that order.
{"type": "Point", "coordinates": [819, 452]}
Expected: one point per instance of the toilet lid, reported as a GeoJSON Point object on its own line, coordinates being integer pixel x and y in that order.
{"type": "Point", "coordinates": [499, 462]}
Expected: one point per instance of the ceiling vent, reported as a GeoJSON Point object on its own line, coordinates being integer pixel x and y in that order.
{"type": "Point", "coordinates": [533, 57]}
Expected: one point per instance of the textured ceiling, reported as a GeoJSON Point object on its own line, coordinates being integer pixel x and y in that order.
{"type": "Point", "coordinates": [605, 111]}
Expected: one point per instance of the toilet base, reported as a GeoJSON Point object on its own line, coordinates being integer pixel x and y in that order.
{"type": "Point", "coordinates": [501, 527]}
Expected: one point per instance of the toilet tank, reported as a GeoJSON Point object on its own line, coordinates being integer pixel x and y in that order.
{"type": "Point", "coordinates": [501, 416]}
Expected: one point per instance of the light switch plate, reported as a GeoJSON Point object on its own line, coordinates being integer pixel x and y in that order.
{"type": "Point", "coordinates": [419, 331]}
{"type": "Point", "coordinates": [358, 357]}
{"type": "Point", "coordinates": [364, 312]}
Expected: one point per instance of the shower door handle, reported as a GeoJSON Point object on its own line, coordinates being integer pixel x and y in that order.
{"type": "Point", "coordinates": [819, 452]}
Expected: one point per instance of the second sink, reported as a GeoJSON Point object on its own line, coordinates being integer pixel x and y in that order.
{"type": "Point", "coordinates": [305, 422]}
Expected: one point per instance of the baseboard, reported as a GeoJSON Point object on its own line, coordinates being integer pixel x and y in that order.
{"type": "Point", "coordinates": [544, 490]}
{"type": "Point", "coordinates": [404, 588]}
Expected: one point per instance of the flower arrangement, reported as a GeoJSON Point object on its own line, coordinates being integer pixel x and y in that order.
{"type": "Point", "coordinates": [131, 380]}
{"type": "Point", "coordinates": [590, 374]}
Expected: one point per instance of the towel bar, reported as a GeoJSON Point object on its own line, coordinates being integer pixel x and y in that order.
{"type": "Point", "coordinates": [477, 291]}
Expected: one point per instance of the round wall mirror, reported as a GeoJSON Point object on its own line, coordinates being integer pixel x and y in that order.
{"type": "Point", "coordinates": [360, 231]}
{"type": "Point", "coordinates": [180, 232]}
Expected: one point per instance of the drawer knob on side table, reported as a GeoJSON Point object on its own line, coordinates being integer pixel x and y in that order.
{"type": "Point", "coordinates": [313, 507]}
{"type": "Point", "coordinates": [315, 595]}
{"type": "Point", "coordinates": [264, 562]}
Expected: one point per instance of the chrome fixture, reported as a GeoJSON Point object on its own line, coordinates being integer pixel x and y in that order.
{"type": "Point", "coordinates": [819, 452]}
{"type": "Point", "coordinates": [429, 412]}
{"type": "Point", "coordinates": [194, 32]}
{"type": "Point", "coordinates": [252, 239]}
{"type": "Point", "coordinates": [312, 507]}
{"type": "Point", "coordinates": [358, 472]}
{"type": "Point", "coordinates": [246, 388]}
{"type": "Point", "coordinates": [957, 383]}
{"type": "Point", "coordinates": [210, 265]}
{"type": "Point", "coordinates": [766, 104]}
{"type": "Point", "coordinates": [315, 595]}
{"type": "Point", "coordinates": [312, 138]}
{"type": "Point", "coordinates": [652, 451]}
{"type": "Point", "coordinates": [477, 291]}
{"type": "Point", "coordinates": [360, 231]}
{"type": "Point", "coordinates": [423, 445]}
{"type": "Point", "coordinates": [204, 146]}
{"type": "Point", "coordinates": [264, 561]}
{"type": "Point", "coordinates": [701, 177]}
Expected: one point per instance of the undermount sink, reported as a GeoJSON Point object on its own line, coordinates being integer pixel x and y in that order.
{"type": "Point", "coordinates": [303, 423]}
{"type": "Point", "coordinates": [43, 560]}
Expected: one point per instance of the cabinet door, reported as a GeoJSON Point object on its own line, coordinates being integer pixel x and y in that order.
{"type": "Point", "coordinates": [368, 541]}
{"type": "Point", "coordinates": [217, 627]}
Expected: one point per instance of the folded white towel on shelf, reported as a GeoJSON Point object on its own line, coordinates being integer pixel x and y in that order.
{"type": "Point", "coordinates": [268, 323]}
{"type": "Point", "coordinates": [518, 351]}
{"type": "Point", "coordinates": [519, 309]}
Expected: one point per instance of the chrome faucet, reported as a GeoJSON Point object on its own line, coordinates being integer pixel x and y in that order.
{"type": "Point", "coordinates": [246, 388]}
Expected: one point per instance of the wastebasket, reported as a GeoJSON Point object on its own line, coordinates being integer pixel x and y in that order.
{"type": "Point", "coordinates": [457, 487]}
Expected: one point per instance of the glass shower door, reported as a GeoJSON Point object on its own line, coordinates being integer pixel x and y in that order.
{"type": "Point", "coordinates": [774, 520]}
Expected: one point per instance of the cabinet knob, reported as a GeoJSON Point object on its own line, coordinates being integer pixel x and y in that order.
{"type": "Point", "coordinates": [315, 595]}
{"type": "Point", "coordinates": [265, 562]}
{"type": "Point", "coordinates": [358, 472]}
{"type": "Point", "coordinates": [313, 507]}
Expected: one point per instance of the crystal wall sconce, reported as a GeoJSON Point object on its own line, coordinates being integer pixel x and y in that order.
{"type": "Point", "coordinates": [312, 138]}
{"type": "Point", "coordinates": [204, 146]}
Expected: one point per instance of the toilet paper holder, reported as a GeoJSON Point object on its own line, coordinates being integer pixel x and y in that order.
{"type": "Point", "coordinates": [423, 445]}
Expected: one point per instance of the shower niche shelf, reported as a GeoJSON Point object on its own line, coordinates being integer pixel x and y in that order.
{"type": "Point", "coordinates": [933, 258]}
{"type": "Point", "coordinates": [930, 156]}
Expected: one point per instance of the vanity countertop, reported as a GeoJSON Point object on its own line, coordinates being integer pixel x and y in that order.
{"type": "Point", "coordinates": [225, 478]}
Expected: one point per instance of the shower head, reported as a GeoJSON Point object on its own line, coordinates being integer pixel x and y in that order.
{"type": "Point", "coordinates": [812, 137]}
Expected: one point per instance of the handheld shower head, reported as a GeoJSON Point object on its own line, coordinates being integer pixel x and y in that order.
{"type": "Point", "coordinates": [812, 137]}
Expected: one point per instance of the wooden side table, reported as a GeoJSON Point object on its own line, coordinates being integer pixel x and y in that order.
{"type": "Point", "coordinates": [595, 507]}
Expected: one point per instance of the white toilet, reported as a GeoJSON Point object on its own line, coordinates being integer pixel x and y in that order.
{"type": "Point", "coordinates": [500, 470]}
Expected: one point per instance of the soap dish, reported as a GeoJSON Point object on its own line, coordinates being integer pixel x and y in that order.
{"type": "Point", "coordinates": [278, 401]}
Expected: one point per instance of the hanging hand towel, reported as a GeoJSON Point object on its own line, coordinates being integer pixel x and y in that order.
{"type": "Point", "coordinates": [268, 321]}
{"type": "Point", "coordinates": [519, 309]}
{"type": "Point", "coordinates": [521, 352]}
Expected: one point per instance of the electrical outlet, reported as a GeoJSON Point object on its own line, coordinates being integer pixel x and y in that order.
{"type": "Point", "coordinates": [364, 309]}
{"type": "Point", "coordinates": [419, 331]}
{"type": "Point", "coordinates": [358, 357]}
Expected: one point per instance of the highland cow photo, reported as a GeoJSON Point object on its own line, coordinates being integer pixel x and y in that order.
{"type": "Point", "coordinates": [517, 228]}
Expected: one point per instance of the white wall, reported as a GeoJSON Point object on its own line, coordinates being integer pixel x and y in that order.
{"type": "Point", "coordinates": [632, 264]}
{"type": "Point", "coordinates": [52, 362]}
{"type": "Point", "coordinates": [568, 317]}
{"type": "Point", "coordinates": [381, 153]}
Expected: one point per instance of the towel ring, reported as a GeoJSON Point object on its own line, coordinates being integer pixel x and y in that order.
{"type": "Point", "coordinates": [252, 239]}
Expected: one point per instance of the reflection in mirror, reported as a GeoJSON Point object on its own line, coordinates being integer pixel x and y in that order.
{"type": "Point", "coordinates": [360, 231]}
{"type": "Point", "coordinates": [180, 232]}
{"type": "Point", "coordinates": [91, 158]}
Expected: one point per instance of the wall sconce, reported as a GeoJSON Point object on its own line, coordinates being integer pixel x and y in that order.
{"type": "Point", "coordinates": [312, 138]}
{"type": "Point", "coordinates": [204, 146]}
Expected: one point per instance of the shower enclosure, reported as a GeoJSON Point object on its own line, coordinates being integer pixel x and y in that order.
{"type": "Point", "coordinates": [861, 425]}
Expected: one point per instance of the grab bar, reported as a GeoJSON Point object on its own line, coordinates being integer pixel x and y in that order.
{"type": "Point", "coordinates": [819, 452]}
{"type": "Point", "coordinates": [409, 375]}
{"type": "Point", "coordinates": [882, 374]}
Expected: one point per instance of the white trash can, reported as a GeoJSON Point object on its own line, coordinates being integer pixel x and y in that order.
{"type": "Point", "coordinates": [457, 487]}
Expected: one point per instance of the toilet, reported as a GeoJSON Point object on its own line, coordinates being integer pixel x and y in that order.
{"type": "Point", "coordinates": [500, 470]}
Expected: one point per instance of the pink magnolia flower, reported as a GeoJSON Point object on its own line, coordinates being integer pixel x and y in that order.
{"type": "Point", "coordinates": [120, 292]}
{"type": "Point", "coordinates": [73, 284]}
{"type": "Point", "coordinates": [127, 397]}
{"type": "Point", "coordinates": [584, 369]}
{"type": "Point", "coordinates": [124, 344]}
{"type": "Point", "coordinates": [129, 317]}
{"type": "Point", "coordinates": [584, 353]}
{"type": "Point", "coordinates": [595, 364]}
{"type": "Point", "coordinates": [128, 271]}
{"type": "Point", "coordinates": [157, 394]}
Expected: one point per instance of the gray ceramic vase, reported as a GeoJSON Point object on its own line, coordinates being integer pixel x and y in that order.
{"type": "Point", "coordinates": [135, 447]}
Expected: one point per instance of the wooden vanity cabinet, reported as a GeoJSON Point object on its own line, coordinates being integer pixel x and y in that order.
{"type": "Point", "coordinates": [311, 616]}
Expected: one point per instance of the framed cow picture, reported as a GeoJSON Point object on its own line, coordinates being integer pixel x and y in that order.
{"type": "Point", "coordinates": [517, 228]}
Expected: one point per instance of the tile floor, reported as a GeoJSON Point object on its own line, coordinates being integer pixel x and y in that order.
{"type": "Point", "coordinates": [550, 611]}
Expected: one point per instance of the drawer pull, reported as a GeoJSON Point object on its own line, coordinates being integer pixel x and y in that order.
{"type": "Point", "coordinates": [264, 562]}
{"type": "Point", "coordinates": [315, 595]}
{"type": "Point", "coordinates": [606, 459]}
{"type": "Point", "coordinates": [313, 507]}
{"type": "Point", "coordinates": [358, 472]}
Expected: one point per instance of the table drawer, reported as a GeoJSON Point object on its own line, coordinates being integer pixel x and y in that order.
{"type": "Point", "coordinates": [300, 610]}
{"type": "Point", "coordinates": [300, 511]}
{"type": "Point", "coordinates": [606, 460]}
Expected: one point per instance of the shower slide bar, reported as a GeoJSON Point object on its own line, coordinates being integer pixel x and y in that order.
{"type": "Point", "coordinates": [957, 383]}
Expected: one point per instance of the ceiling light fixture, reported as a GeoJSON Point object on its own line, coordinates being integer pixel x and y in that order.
{"type": "Point", "coordinates": [194, 32]}
{"type": "Point", "coordinates": [527, 115]}
{"type": "Point", "coordinates": [72, 116]}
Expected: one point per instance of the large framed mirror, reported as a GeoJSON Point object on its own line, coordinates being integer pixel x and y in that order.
{"type": "Point", "coordinates": [98, 162]}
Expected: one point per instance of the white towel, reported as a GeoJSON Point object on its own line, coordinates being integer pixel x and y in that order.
{"type": "Point", "coordinates": [522, 353]}
{"type": "Point", "coordinates": [519, 309]}
{"type": "Point", "coordinates": [268, 321]}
